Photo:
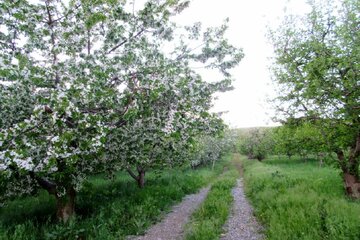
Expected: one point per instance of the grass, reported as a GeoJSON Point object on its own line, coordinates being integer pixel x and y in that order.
{"type": "Point", "coordinates": [206, 222]}
{"type": "Point", "coordinates": [105, 209]}
{"type": "Point", "coordinates": [298, 200]}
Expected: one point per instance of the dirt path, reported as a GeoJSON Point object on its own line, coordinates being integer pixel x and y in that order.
{"type": "Point", "coordinates": [172, 226]}
{"type": "Point", "coordinates": [242, 224]}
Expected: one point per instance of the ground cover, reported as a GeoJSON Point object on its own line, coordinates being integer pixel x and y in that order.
{"type": "Point", "coordinates": [299, 200]}
{"type": "Point", "coordinates": [105, 209]}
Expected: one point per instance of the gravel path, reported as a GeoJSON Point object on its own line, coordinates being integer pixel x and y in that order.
{"type": "Point", "coordinates": [242, 224]}
{"type": "Point", "coordinates": [172, 226]}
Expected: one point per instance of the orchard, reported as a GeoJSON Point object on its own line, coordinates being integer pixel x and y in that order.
{"type": "Point", "coordinates": [90, 87]}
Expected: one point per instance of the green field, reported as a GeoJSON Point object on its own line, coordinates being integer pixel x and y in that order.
{"type": "Point", "coordinates": [299, 200]}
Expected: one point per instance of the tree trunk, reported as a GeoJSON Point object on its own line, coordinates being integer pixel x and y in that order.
{"type": "Point", "coordinates": [352, 185]}
{"type": "Point", "coordinates": [320, 157]}
{"type": "Point", "coordinates": [213, 165]}
{"type": "Point", "coordinates": [351, 169]}
{"type": "Point", "coordinates": [321, 162]}
{"type": "Point", "coordinates": [141, 178]}
{"type": "Point", "coordinates": [66, 205]}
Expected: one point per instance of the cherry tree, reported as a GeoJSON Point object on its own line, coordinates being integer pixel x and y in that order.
{"type": "Point", "coordinates": [170, 105]}
{"type": "Point", "coordinates": [91, 86]}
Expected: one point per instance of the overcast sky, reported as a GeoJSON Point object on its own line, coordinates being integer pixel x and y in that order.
{"type": "Point", "coordinates": [246, 105]}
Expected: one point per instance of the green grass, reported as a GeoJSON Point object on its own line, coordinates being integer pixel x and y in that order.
{"type": "Point", "coordinates": [206, 222]}
{"type": "Point", "coordinates": [298, 200]}
{"type": "Point", "coordinates": [105, 209]}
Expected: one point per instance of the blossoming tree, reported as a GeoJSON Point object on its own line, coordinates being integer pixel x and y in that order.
{"type": "Point", "coordinates": [92, 86]}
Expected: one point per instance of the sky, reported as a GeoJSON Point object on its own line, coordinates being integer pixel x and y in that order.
{"type": "Point", "coordinates": [246, 105]}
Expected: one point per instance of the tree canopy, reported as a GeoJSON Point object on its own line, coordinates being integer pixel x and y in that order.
{"type": "Point", "coordinates": [96, 86]}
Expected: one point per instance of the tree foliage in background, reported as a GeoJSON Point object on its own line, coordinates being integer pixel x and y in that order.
{"type": "Point", "coordinates": [285, 142]}
{"type": "Point", "coordinates": [210, 148]}
{"type": "Point", "coordinates": [317, 71]}
{"type": "Point", "coordinates": [300, 138]}
{"type": "Point", "coordinates": [97, 86]}
{"type": "Point", "coordinates": [256, 143]}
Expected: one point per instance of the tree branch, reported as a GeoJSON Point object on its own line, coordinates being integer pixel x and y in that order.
{"type": "Point", "coordinates": [50, 22]}
{"type": "Point", "coordinates": [125, 41]}
{"type": "Point", "coordinates": [132, 174]}
{"type": "Point", "coordinates": [49, 186]}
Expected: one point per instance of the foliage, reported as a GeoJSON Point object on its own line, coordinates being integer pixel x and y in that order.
{"type": "Point", "coordinates": [304, 139]}
{"type": "Point", "coordinates": [298, 200]}
{"type": "Point", "coordinates": [256, 143]}
{"type": "Point", "coordinates": [208, 220]}
{"type": "Point", "coordinates": [209, 149]}
{"type": "Point", "coordinates": [106, 209]}
{"type": "Point", "coordinates": [96, 91]}
{"type": "Point", "coordinates": [284, 141]}
{"type": "Point", "coordinates": [316, 68]}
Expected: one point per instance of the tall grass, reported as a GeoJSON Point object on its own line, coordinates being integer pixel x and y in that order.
{"type": "Point", "coordinates": [207, 221]}
{"type": "Point", "coordinates": [105, 209]}
{"type": "Point", "coordinates": [298, 200]}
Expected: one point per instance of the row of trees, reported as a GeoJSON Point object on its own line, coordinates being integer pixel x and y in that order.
{"type": "Point", "coordinates": [297, 137]}
{"type": "Point", "coordinates": [98, 86]}
{"type": "Point", "coordinates": [210, 149]}
{"type": "Point", "coordinates": [300, 138]}
{"type": "Point", "coordinates": [316, 68]}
